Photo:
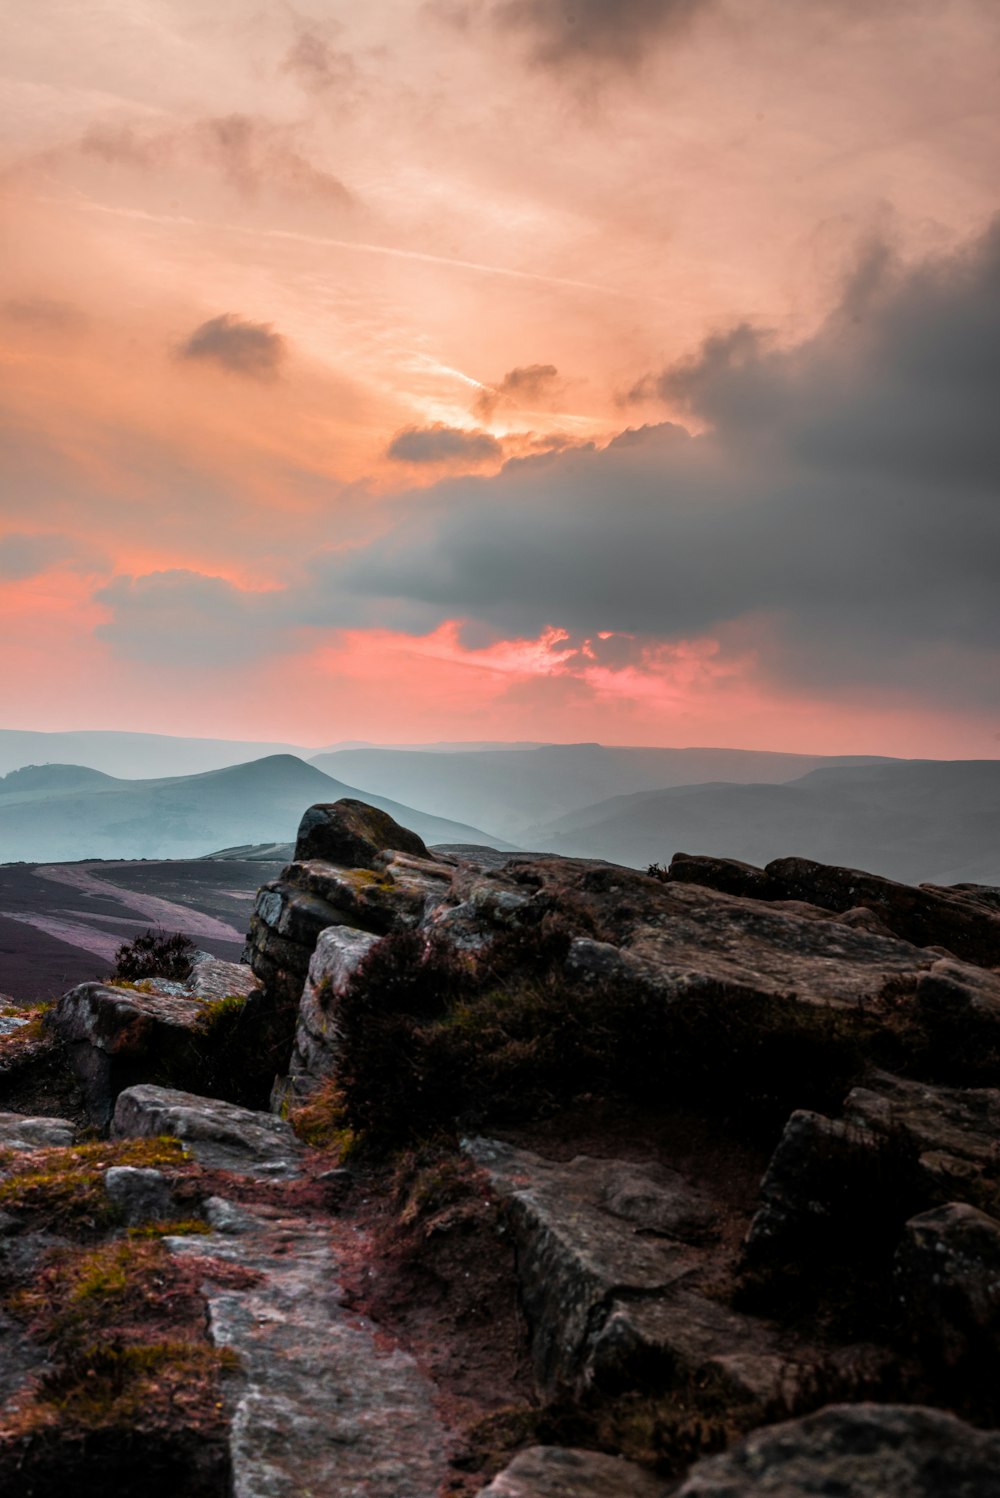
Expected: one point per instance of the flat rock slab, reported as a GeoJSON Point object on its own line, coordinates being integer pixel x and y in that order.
{"type": "Point", "coordinates": [20, 1132]}
{"type": "Point", "coordinates": [856, 1451]}
{"type": "Point", "coordinates": [605, 1251]}
{"type": "Point", "coordinates": [324, 1409]}
{"type": "Point", "coordinates": [563, 1472]}
{"type": "Point", "coordinates": [218, 1134]}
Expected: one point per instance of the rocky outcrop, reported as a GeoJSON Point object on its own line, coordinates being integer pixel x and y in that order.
{"type": "Point", "coordinates": [115, 1035]}
{"type": "Point", "coordinates": [610, 1257]}
{"type": "Point", "coordinates": [898, 1141]}
{"type": "Point", "coordinates": [856, 1451]}
{"type": "Point", "coordinates": [645, 1295]}
{"type": "Point", "coordinates": [964, 921]}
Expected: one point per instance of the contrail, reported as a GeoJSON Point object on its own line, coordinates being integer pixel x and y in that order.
{"type": "Point", "coordinates": [363, 247]}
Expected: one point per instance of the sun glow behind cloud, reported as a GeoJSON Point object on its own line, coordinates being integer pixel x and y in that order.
{"type": "Point", "coordinates": [281, 298]}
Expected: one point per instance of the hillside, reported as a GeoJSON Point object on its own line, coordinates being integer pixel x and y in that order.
{"type": "Point", "coordinates": [513, 789]}
{"type": "Point", "coordinates": [58, 813]}
{"type": "Point", "coordinates": [914, 820]}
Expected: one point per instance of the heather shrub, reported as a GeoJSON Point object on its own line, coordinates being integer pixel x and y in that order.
{"type": "Point", "coordinates": [155, 954]}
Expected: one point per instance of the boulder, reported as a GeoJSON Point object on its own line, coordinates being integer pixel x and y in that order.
{"type": "Point", "coordinates": [140, 1194]}
{"type": "Point", "coordinates": [947, 1277]}
{"type": "Point", "coordinates": [606, 1250]}
{"type": "Point", "coordinates": [217, 1134]}
{"type": "Point", "coordinates": [323, 1405]}
{"type": "Point", "coordinates": [855, 1451]}
{"type": "Point", "coordinates": [339, 953]}
{"type": "Point", "coordinates": [20, 1132]}
{"type": "Point", "coordinates": [562, 1472]}
{"type": "Point", "coordinates": [353, 834]}
{"type": "Point", "coordinates": [117, 1036]}
{"type": "Point", "coordinates": [900, 1145]}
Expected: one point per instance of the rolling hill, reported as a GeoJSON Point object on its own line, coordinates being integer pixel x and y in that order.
{"type": "Point", "coordinates": [512, 790]}
{"type": "Point", "coordinates": [935, 821]}
{"type": "Point", "coordinates": [62, 812]}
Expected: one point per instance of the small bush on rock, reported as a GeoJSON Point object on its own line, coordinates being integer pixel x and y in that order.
{"type": "Point", "coordinates": [155, 954]}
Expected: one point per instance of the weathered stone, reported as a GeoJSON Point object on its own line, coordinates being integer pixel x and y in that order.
{"type": "Point", "coordinates": [339, 953]}
{"type": "Point", "coordinates": [322, 1407]}
{"type": "Point", "coordinates": [922, 915]}
{"type": "Point", "coordinates": [799, 1193]}
{"type": "Point", "coordinates": [562, 1472]}
{"type": "Point", "coordinates": [217, 1134]}
{"type": "Point", "coordinates": [117, 1036]}
{"type": "Point", "coordinates": [140, 1194]}
{"type": "Point", "coordinates": [729, 875]}
{"type": "Point", "coordinates": [855, 1451]}
{"type": "Point", "coordinates": [20, 1132]}
{"type": "Point", "coordinates": [353, 834]}
{"type": "Point", "coordinates": [604, 1250]}
{"type": "Point", "coordinates": [948, 1137]}
{"type": "Point", "coordinates": [947, 1276]}
{"type": "Point", "coordinates": [953, 1131]}
{"type": "Point", "coordinates": [213, 978]}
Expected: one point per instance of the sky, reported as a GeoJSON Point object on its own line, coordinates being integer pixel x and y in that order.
{"type": "Point", "coordinates": [619, 370]}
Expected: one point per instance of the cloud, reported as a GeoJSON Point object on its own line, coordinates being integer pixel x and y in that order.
{"type": "Point", "coordinates": [43, 314]}
{"type": "Point", "coordinates": [245, 348]}
{"type": "Point", "coordinates": [318, 67]}
{"type": "Point", "coordinates": [834, 527]}
{"type": "Point", "coordinates": [443, 444]}
{"type": "Point", "coordinates": [525, 385]}
{"type": "Point", "coordinates": [23, 555]}
{"type": "Point", "coordinates": [595, 34]}
{"type": "Point", "coordinates": [185, 618]}
{"type": "Point", "coordinates": [251, 153]}
{"type": "Point", "coordinates": [839, 514]}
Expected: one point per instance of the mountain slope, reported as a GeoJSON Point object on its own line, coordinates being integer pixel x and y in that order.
{"type": "Point", "coordinates": [513, 789]}
{"type": "Point", "coordinates": [58, 816]}
{"type": "Point", "coordinates": [914, 820]}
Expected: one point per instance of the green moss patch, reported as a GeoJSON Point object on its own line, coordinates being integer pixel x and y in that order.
{"type": "Point", "coordinates": [63, 1187]}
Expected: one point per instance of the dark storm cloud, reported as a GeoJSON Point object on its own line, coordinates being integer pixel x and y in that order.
{"type": "Point", "coordinates": [245, 348]}
{"type": "Point", "coordinates": [566, 34]}
{"type": "Point", "coordinates": [526, 384]}
{"type": "Point", "coordinates": [842, 511]}
{"type": "Point", "coordinates": [442, 444]}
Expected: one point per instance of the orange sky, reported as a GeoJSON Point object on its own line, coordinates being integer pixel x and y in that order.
{"type": "Point", "coordinates": [284, 288]}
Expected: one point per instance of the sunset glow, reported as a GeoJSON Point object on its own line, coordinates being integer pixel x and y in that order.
{"type": "Point", "coordinates": [415, 371]}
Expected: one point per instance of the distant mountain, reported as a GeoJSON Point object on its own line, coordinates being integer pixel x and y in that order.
{"type": "Point", "coordinates": [933, 821]}
{"type": "Point", "coordinates": [131, 755]}
{"type": "Point", "coordinates": [62, 812]}
{"type": "Point", "coordinates": [513, 789]}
